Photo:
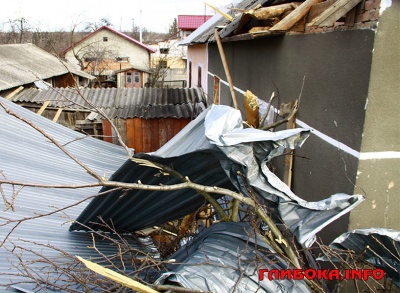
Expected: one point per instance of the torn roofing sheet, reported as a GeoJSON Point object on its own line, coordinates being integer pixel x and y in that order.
{"type": "Point", "coordinates": [223, 258]}
{"type": "Point", "coordinates": [380, 247]}
{"type": "Point", "coordinates": [214, 150]}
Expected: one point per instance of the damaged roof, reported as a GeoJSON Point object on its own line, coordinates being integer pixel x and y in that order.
{"type": "Point", "coordinates": [122, 102]}
{"type": "Point", "coordinates": [214, 150]}
{"type": "Point", "coordinates": [26, 63]}
{"type": "Point", "coordinates": [26, 155]}
{"type": "Point", "coordinates": [257, 18]}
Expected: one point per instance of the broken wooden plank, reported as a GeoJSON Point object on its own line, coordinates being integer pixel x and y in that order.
{"type": "Point", "coordinates": [58, 113]}
{"type": "Point", "coordinates": [334, 12]}
{"type": "Point", "coordinates": [251, 106]}
{"type": "Point", "coordinates": [41, 110]}
{"type": "Point", "coordinates": [227, 16]}
{"type": "Point", "coordinates": [296, 15]}
{"type": "Point", "coordinates": [217, 90]}
{"type": "Point", "coordinates": [14, 92]}
{"type": "Point", "coordinates": [116, 277]}
{"type": "Point", "coordinates": [265, 13]}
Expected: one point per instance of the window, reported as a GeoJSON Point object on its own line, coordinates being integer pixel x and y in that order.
{"type": "Point", "coordinates": [137, 77]}
{"type": "Point", "coordinates": [129, 77]}
{"type": "Point", "coordinates": [163, 64]}
{"type": "Point", "coordinates": [190, 73]}
{"type": "Point", "coordinates": [164, 50]}
{"type": "Point", "coordinates": [105, 39]}
{"type": "Point", "coordinates": [122, 59]}
{"type": "Point", "coordinates": [89, 59]}
{"type": "Point", "coordinates": [199, 76]}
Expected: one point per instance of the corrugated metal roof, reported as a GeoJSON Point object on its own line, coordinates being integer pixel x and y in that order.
{"type": "Point", "coordinates": [27, 156]}
{"type": "Point", "coordinates": [123, 102]}
{"type": "Point", "coordinates": [25, 63]}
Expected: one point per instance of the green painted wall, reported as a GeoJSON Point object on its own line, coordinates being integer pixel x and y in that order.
{"type": "Point", "coordinates": [379, 179]}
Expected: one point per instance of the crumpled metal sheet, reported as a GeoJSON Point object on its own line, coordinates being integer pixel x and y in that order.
{"type": "Point", "coordinates": [380, 247]}
{"type": "Point", "coordinates": [241, 154]}
{"type": "Point", "coordinates": [226, 258]}
{"type": "Point", "coordinates": [252, 148]}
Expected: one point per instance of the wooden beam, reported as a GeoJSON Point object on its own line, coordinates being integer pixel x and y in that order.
{"type": "Point", "coordinates": [226, 68]}
{"type": "Point", "coordinates": [58, 113]}
{"type": "Point", "coordinates": [334, 12]}
{"type": "Point", "coordinates": [41, 110]}
{"type": "Point", "coordinates": [269, 12]}
{"type": "Point", "coordinates": [296, 15]}
{"type": "Point", "coordinates": [351, 17]}
{"type": "Point", "coordinates": [317, 9]}
{"type": "Point", "coordinates": [14, 92]}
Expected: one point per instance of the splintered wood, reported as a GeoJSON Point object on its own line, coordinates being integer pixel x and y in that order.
{"type": "Point", "coordinates": [251, 106]}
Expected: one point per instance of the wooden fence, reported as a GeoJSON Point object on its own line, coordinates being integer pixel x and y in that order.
{"type": "Point", "coordinates": [144, 135]}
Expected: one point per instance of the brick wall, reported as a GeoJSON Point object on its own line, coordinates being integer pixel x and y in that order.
{"type": "Point", "coordinates": [364, 16]}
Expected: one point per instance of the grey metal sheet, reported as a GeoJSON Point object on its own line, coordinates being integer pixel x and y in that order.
{"type": "Point", "coordinates": [218, 134]}
{"type": "Point", "coordinates": [378, 246]}
{"type": "Point", "coordinates": [226, 258]}
{"type": "Point", "coordinates": [26, 156]}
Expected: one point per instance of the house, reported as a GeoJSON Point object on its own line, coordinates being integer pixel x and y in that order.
{"type": "Point", "coordinates": [28, 66]}
{"type": "Point", "coordinates": [105, 51]}
{"type": "Point", "coordinates": [197, 62]}
{"type": "Point", "coordinates": [344, 62]}
{"type": "Point", "coordinates": [169, 62]}
{"type": "Point", "coordinates": [26, 155]}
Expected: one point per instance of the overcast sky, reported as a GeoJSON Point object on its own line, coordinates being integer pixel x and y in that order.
{"type": "Point", "coordinates": [156, 15]}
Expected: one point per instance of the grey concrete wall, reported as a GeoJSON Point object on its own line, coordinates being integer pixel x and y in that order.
{"type": "Point", "coordinates": [379, 177]}
{"type": "Point", "coordinates": [336, 67]}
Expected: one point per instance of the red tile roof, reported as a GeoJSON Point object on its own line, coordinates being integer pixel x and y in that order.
{"type": "Point", "coordinates": [191, 22]}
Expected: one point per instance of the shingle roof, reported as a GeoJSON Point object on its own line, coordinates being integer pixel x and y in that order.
{"type": "Point", "coordinates": [191, 22]}
{"type": "Point", "coordinates": [126, 37]}
{"type": "Point", "coordinates": [123, 102]}
{"type": "Point", "coordinates": [25, 63]}
{"type": "Point", "coordinates": [27, 156]}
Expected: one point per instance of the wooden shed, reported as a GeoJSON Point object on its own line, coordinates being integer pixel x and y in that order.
{"type": "Point", "coordinates": [146, 118]}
